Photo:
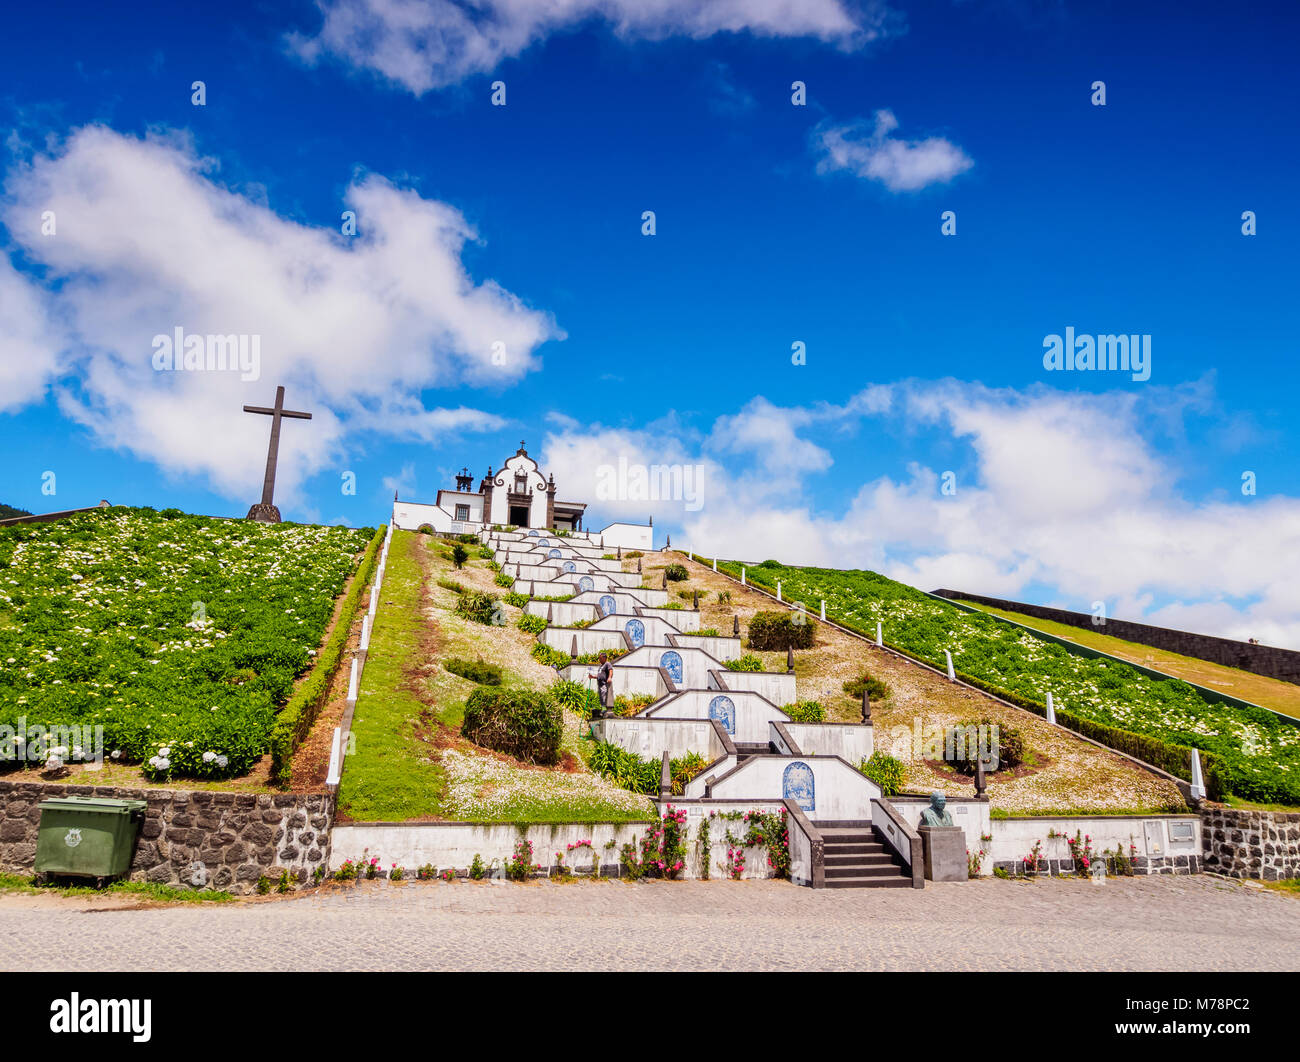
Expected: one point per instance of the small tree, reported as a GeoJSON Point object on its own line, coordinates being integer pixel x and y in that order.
{"type": "Point", "coordinates": [459, 555]}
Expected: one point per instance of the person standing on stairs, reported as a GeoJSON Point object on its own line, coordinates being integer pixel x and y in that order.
{"type": "Point", "coordinates": [604, 676]}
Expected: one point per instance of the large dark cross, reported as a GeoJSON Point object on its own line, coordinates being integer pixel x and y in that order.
{"type": "Point", "coordinates": [265, 510]}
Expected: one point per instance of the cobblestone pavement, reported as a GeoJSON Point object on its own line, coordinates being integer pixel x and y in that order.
{"type": "Point", "coordinates": [1198, 923]}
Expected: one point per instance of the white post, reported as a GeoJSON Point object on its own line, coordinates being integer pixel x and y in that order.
{"type": "Point", "coordinates": [1198, 782]}
{"type": "Point", "coordinates": [1051, 709]}
{"type": "Point", "coordinates": [373, 598]}
{"type": "Point", "coordinates": [823, 611]}
{"type": "Point", "coordinates": [952, 675]}
{"type": "Point", "coordinates": [742, 576]}
{"type": "Point", "coordinates": [336, 764]}
{"type": "Point", "coordinates": [879, 640]}
{"type": "Point", "coordinates": [715, 564]}
{"type": "Point", "coordinates": [778, 589]}
{"type": "Point", "coordinates": [365, 632]}
{"type": "Point", "coordinates": [352, 683]}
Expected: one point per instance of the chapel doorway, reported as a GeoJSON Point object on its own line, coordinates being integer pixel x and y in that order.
{"type": "Point", "coordinates": [519, 515]}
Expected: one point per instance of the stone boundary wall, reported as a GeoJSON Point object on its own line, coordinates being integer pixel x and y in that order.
{"type": "Point", "coordinates": [190, 838]}
{"type": "Point", "coordinates": [453, 845]}
{"type": "Point", "coordinates": [1251, 844]}
{"type": "Point", "coordinates": [1266, 660]}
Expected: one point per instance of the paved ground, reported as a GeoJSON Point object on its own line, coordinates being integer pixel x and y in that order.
{"type": "Point", "coordinates": [1200, 923]}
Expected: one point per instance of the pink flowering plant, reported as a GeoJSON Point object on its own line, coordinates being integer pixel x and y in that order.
{"type": "Point", "coordinates": [521, 864]}
{"type": "Point", "coordinates": [1081, 852]}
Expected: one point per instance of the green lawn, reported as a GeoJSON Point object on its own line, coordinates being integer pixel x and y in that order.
{"type": "Point", "coordinates": [410, 761]}
{"type": "Point", "coordinates": [145, 889]}
{"type": "Point", "coordinates": [389, 775]}
{"type": "Point", "coordinates": [1272, 693]}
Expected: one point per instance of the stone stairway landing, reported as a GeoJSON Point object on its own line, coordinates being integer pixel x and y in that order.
{"type": "Point", "coordinates": [748, 749]}
{"type": "Point", "coordinates": [856, 857]}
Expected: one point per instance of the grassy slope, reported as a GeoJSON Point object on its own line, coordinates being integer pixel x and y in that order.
{"type": "Point", "coordinates": [389, 772]}
{"type": "Point", "coordinates": [1271, 693]}
{"type": "Point", "coordinates": [410, 761]}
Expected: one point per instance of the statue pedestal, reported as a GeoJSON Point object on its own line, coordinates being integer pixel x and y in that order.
{"type": "Point", "coordinates": [945, 853]}
{"type": "Point", "coordinates": [265, 514]}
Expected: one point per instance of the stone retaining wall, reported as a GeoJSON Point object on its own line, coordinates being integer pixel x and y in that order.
{"type": "Point", "coordinates": [190, 838]}
{"type": "Point", "coordinates": [1251, 844]}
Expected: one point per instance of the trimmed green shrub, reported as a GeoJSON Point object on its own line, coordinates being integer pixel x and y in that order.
{"type": "Point", "coordinates": [961, 745]}
{"type": "Point", "coordinates": [486, 552]}
{"type": "Point", "coordinates": [877, 689]}
{"type": "Point", "coordinates": [522, 723]}
{"type": "Point", "coordinates": [502, 579]}
{"type": "Point", "coordinates": [885, 771]}
{"type": "Point", "coordinates": [479, 670]}
{"type": "Point", "coordinates": [452, 585]}
{"type": "Point", "coordinates": [748, 662]}
{"type": "Point", "coordinates": [805, 712]}
{"type": "Point", "coordinates": [778, 631]}
{"type": "Point", "coordinates": [516, 599]}
{"type": "Point", "coordinates": [478, 606]}
{"type": "Point", "coordinates": [676, 573]}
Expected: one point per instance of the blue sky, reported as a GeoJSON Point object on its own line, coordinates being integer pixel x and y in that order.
{"type": "Point", "coordinates": [523, 223]}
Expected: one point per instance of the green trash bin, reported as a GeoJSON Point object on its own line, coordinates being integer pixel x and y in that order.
{"type": "Point", "coordinates": [87, 837]}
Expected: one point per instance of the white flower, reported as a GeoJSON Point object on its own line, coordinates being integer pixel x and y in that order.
{"type": "Point", "coordinates": [222, 761]}
{"type": "Point", "coordinates": [116, 754]}
{"type": "Point", "coordinates": [208, 757]}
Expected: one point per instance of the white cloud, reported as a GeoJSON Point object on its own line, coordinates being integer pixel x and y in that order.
{"type": "Point", "coordinates": [874, 154]}
{"type": "Point", "coordinates": [1065, 491]}
{"type": "Point", "coordinates": [428, 44]}
{"type": "Point", "coordinates": [30, 340]}
{"type": "Point", "coordinates": [354, 327]}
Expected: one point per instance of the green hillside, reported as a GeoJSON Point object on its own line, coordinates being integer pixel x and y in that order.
{"type": "Point", "coordinates": [1256, 754]}
{"type": "Point", "coordinates": [179, 635]}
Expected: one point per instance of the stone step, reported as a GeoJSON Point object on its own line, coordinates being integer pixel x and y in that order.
{"type": "Point", "coordinates": [840, 858]}
{"type": "Point", "coordinates": [858, 870]}
{"type": "Point", "coordinates": [849, 837]}
{"type": "Point", "coordinates": [856, 851]}
{"type": "Point", "coordinates": [872, 859]}
{"type": "Point", "coordinates": [902, 881]}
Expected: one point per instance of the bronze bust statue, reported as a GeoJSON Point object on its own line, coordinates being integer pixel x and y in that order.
{"type": "Point", "coordinates": [937, 814]}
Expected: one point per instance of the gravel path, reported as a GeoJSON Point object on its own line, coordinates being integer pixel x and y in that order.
{"type": "Point", "coordinates": [1193, 923]}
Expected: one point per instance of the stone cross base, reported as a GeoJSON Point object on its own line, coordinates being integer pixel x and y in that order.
{"type": "Point", "coordinates": [945, 853]}
{"type": "Point", "coordinates": [266, 514]}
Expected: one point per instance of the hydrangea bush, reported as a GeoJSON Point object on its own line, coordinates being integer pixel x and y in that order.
{"type": "Point", "coordinates": [179, 635]}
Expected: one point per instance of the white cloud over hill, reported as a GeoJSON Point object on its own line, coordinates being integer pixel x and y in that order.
{"type": "Point", "coordinates": [147, 239]}
{"type": "Point", "coordinates": [1067, 492]}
